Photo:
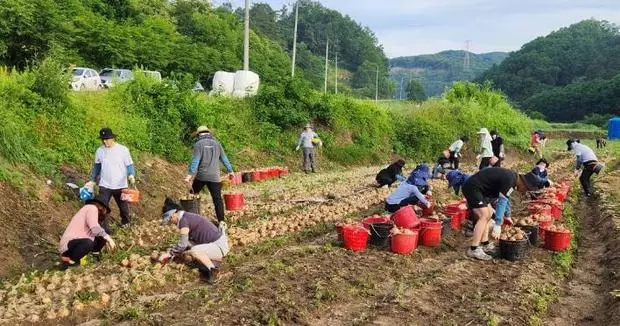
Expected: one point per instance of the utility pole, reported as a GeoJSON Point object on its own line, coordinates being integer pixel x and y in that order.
{"type": "Point", "coordinates": [246, 39]}
{"type": "Point", "coordinates": [326, 64]}
{"type": "Point", "coordinates": [466, 62]}
{"type": "Point", "coordinates": [336, 78]}
{"type": "Point", "coordinates": [377, 85]}
{"type": "Point", "coordinates": [295, 38]}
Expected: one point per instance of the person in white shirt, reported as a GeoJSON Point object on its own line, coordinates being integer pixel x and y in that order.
{"type": "Point", "coordinates": [586, 162]}
{"type": "Point", "coordinates": [114, 170]}
{"type": "Point", "coordinates": [455, 151]}
{"type": "Point", "coordinates": [309, 139]}
{"type": "Point", "coordinates": [486, 149]}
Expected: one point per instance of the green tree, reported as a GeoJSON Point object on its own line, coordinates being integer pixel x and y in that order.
{"type": "Point", "coordinates": [415, 91]}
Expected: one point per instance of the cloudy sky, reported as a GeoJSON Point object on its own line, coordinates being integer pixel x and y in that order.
{"type": "Point", "coordinates": [410, 27]}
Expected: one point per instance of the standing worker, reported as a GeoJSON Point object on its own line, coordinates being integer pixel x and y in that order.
{"type": "Point", "coordinates": [309, 139]}
{"type": "Point", "coordinates": [455, 151]}
{"type": "Point", "coordinates": [204, 168]}
{"type": "Point", "coordinates": [497, 143]}
{"type": "Point", "coordinates": [115, 170]}
{"type": "Point", "coordinates": [484, 188]}
{"type": "Point", "coordinates": [586, 162]}
{"type": "Point", "coordinates": [486, 149]}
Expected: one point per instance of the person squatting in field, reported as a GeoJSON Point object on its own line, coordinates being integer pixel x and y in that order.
{"type": "Point", "coordinates": [540, 171]}
{"type": "Point", "coordinates": [486, 149]}
{"type": "Point", "coordinates": [84, 234]}
{"type": "Point", "coordinates": [391, 174]}
{"type": "Point", "coordinates": [455, 151]}
{"type": "Point", "coordinates": [586, 162]}
{"type": "Point", "coordinates": [200, 238]}
{"type": "Point", "coordinates": [412, 191]}
{"type": "Point", "coordinates": [204, 168]}
{"type": "Point", "coordinates": [480, 190]}
{"type": "Point", "coordinates": [308, 139]}
{"type": "Point", "coordinates": [442, 165]}
{"type": "Point", "coordinates": [114, 169]}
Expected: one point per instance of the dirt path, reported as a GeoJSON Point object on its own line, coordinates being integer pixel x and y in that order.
{"type": "Point", "coordinates": [586, 299]}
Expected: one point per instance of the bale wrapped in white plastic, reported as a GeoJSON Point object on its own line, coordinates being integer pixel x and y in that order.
{"type": "Point", "coordinates": [246, 83]}
{"type": "Point", "coordinates": [223, 83]}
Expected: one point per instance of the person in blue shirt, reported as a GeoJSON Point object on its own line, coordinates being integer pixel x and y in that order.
{"type": "Point", "coordinates": [540, 171]}
{"type": "Point", "coordinates": [391, 174]}
{"type": "Point", "coordinates": [412, 191]}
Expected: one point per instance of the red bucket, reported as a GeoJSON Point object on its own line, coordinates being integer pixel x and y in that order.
{"type": "Point", "coordinates": [404, 244]}
{"type": "Point", "coordinates": [374, 219]}
{"type": "Point", "coordinates": [456, 215]}
{"type": "Point", "coordinates": [283, 172]}
{"type": "Point", "coordinates": [430, 234]}
{"type": "Point", "coordinates": [264, 175]}
{"type": "Point", "coordinates": [355, 237]}
{"type": "Point", "coordinates": [542, 225]}
{"type": "Point", "coordinates": [557, 241]}
{"type": "Point", "coordinates": [405, 217]}
{"type": "Point", "coordinates": [234, 201]}
{"type": "Point", "coordinates": [256, 176]}
{"type": "Point", "coordinates": [538, 208]}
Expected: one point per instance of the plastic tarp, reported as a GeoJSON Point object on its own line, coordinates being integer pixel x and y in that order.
{"type": "Point", "coordinates": [246, 83]}
{"type": "Point", "coordinates": [613, 129]}
{"type": "Point", "coordinates": [223, 83]}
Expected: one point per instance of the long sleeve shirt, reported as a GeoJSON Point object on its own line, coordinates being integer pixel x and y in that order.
{"type": "Point", "coordinates": [83, 225]}
{"type": "Point", "coordinates": [456, 146]}
{"type": "Point", "coordinates": [404, 191]}
{"type": "Point", "coordinates": [583, 154]}
{"type": "Point", "coordinates": [486, 149]}
{"type": "Point", "coordinates": [305, 139]}
{"type": "Point", "coordinates": [206, 155]}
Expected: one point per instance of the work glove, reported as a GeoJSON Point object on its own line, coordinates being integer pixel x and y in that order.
{"type": "Point", "coordinates": [109, 242]}
{"type": "Point", "coordinates": [132, 180]}
{"type": "Point", "coordinates": [188, 179]}
{"type": "Point", "coordinates": [497, 230]}
{"type": "Point", "coordinates": [164, 258]}
{"type": "Point", "coordinates": [297, 148]}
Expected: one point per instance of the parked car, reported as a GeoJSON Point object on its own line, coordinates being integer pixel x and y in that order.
{"type": "Point", "coordinates": [153, 74]}
{"type": "Point", "coordinates": [110, 76]}
{"type": "Point", "coordinates": [84, 79]}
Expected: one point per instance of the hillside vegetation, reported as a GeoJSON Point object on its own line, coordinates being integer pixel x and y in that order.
{"type": "Point", "coordinates": [567, 75]}
{"type": "Point", "coordinates": [438, 71]}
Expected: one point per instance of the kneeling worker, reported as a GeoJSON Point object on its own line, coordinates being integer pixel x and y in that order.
{"type": "Point", "coordinates": [412, 191]}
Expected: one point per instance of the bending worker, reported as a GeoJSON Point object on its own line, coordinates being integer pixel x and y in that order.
{"type": "Point", "coordinates": [412, 191]}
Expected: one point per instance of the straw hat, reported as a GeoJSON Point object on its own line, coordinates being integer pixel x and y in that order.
{"type": "Point", "coordinates": [201, 129]}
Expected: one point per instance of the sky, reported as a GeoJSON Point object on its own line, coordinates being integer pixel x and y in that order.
{"type": "Point", "coordinates": [412, 27]}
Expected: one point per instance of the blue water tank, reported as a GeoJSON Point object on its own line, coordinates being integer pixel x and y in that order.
{"type": "Point", "coordinates": [613, 129]}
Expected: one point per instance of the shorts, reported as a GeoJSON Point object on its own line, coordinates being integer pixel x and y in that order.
{"type": "Point", "coordinates": [214, 250]}
{"type": "Point", "coordinates": [475, 198]}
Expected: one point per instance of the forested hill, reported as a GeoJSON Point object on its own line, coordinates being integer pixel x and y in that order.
{"type": "Point", "coordinates": [568, 75]}
{"type": "Point", "coordinates": [438, 71]}
{"type": "Point", "coordinates": [191, 37]}
{"type": "Point", "coordinates": [358, 49]}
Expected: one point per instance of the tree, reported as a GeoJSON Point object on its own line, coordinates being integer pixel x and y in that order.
{"type": "Point", "coordinates": [415, 91]}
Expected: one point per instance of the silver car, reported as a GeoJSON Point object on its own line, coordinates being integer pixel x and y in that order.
{"type": "Point", "coordinates": [110, 77]}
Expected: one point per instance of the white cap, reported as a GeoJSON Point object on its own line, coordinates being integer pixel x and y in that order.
{"type": "Point", "coordinates": [483, 131]}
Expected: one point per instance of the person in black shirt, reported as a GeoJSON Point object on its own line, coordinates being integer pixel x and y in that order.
{"type": "Point", "coordinates": [484, 188]}
{"type": "Point", "coordinates": [390, 174]}
{"type": "Point", "coordinates": [498, 147]}
{"type": "Point", "coordinates": [443, 164]}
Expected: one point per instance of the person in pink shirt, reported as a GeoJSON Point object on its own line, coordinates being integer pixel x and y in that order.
{"type": "Point", "coordinates": [84, 234]}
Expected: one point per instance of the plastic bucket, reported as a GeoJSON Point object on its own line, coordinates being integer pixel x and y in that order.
{"type": "Point", "coordinates": [191, 205]}
{"type": "Point", "coordinates": [404, 244]}
{"type": "Point", "coordinates": [405, 217]}
{"type": "Point", "coordinates": [513, 250]}
{"type": "Point", "coordinates": [355, 237]}
{"type": "Point", "coordinates": [532, 233]}
{"type": "Point", "coordinates": [130, 195]}
{"type": "Point", "coordinates": [256, 176]}
{"type": "Point", "coordinates": [263, 175]}
{"type": "Point", "coordinates": [380, 234]}
{"type": "Point", "coordinates": [430, 233]}
{"type": "Point", "coordinates": [246, 177]}
{"type": "Point", "coordinates": [542, 226]}
{"type": "Point", "coordinates": [538, 208]}
{"type": "Point", "coordinates": [283, 172]}
{"type": "Point", "coordinates": [374, 219]}
{"type": "Point", "coordinates": [234, 201]}
{"type": "Point", "coordinates": [556, 212]}
{"type": "Point", "coordinates": [557, 241]}
{"type": "Point", "coordinates": [455, 214]}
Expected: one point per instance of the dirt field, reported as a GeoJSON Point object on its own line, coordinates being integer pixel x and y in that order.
{"type": "Point", "coordinates": [288, 268]}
